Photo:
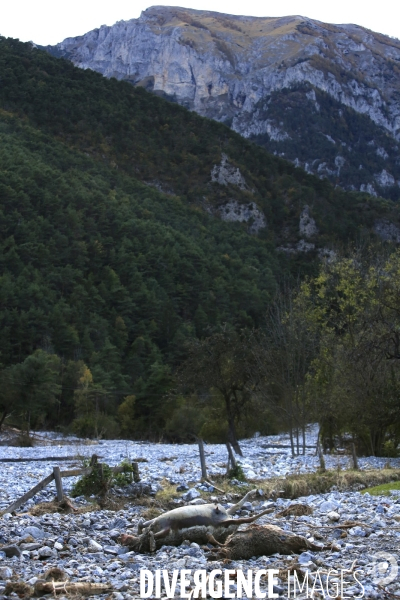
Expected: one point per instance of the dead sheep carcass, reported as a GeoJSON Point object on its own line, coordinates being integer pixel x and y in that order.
{"type": "Point", "coordinates": [262, 540]}
{"type": "Point", "coordinates": [200, 523]}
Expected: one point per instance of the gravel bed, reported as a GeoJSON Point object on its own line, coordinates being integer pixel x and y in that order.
{"type": "Point", "coordinates": [86, 545]}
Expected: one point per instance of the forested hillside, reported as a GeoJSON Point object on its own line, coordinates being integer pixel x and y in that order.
{"type": "Point", "coordinates": [104, 275]}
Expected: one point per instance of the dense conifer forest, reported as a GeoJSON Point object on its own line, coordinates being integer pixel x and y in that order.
{"type": "Point", "coordinates": [115, 268]}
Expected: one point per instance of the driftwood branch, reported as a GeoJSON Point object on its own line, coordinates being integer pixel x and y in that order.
{"type": "Point", "coordinates": [47, 459]}
{"type": "Point", "coordinates": [209, 482]}
{"type": "Point", "coordinates": [40, 486]}
{"type": "Point", "coordinates": [285, 446]}
{"type": "Point", "coordinates": [67, 587]}
{"type": "Point", "coordinates": [346, 525]}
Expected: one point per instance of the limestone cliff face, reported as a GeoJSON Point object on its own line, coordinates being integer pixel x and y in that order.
{"type": "Point", "coordinates": [229, 68]}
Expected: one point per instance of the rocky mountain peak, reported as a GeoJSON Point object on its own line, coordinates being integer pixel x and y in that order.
{"type": "Point", "coordinates": [258, 74]}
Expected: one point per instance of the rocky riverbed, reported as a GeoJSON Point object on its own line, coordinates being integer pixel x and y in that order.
{"type": "Point", "coordinates": [85, 546]}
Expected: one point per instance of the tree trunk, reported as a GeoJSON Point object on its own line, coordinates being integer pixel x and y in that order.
{"type": "Point", "coordinates": [3, 418]}
{"type": "Point", "coordinates": [232, 438]}
{"type": "Point", "coordinates": [291, 436]}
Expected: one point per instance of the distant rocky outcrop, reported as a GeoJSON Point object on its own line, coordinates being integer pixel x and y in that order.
{"type": "Point", "coordinates": [247, 213]}
{"type": "Point", "coordinates": [307, 226]}
{"type": "Point", "coordinates": [387, 231]}
{"type": "Point", "coordinates": [324, 96]}
{"type": "Point", "coordinates": [225, 173]}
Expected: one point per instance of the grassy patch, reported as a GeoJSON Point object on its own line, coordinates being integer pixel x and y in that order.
{"type": "Point", "coordinates": [54, 506]}
{"type": "Point", "coordinates": [294, 486]}
{"type": "Point", "coordinates": [382, 490]}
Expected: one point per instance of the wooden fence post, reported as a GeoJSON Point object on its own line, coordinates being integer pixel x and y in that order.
{"type": "Point", "coordinates": [59, 485]}
{"type": "Point", "coordinates": [231, 457]}
{"type": "Point", "coordinates": [202, 459]}
{"type": "Point", "coordinates": [135, 471]}
{"type": "Point", "coordinates": [353, 451]}
{"type": "Point", "coordinates": [321, 458]}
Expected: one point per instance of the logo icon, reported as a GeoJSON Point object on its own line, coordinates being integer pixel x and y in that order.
{"type": "Point", "coordinates": [385, 568]}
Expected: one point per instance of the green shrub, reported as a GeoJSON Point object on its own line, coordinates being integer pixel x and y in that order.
{"type": "Point", "coordinates": [237, 473]}
{"type": "Point", "coordinates": [390, 449]}
{"type": "Point", "coordinates": [101, 479]}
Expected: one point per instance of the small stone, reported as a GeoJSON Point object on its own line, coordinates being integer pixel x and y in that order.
{"type": "Point", "coordinates": [328, 506]}
{"type": "Point", "coordinates": [58, 546]}
{"type": "Point", "coordinates": [250, 474]}
{"type": "Point", "coordinates": [197, 501]}
{"type": "Point", "coordinates": [337, 533]}
{"type": "Point", "coordinates": [357, 531]}
{"type": "Point", "coordinates": [183, 487]}
{"type": "Point", "coordinates": [120, 523]}
{"type": "Point", "coordinates": [333, 516]}
{"type": "Point", "coordinates": [5, 573]}
{"type": "Point", "coordinates": [46, 552]}
{"type": "Point", "coordinates": [31, 546]}
{"type": "Point", "coordinates": [114, 534]}
{"type": "Point", "coordinates": [35, 532]}
{"type": "Point", "coordinates": [121, 586]}
{"type": "Point", "coordinates": [277, 589]}
{"type": "Point", "coordinates": [11, 551]}
{"type": "Point", "coordinates": [191, 495]}
{"type": "Point", "coordinates": [305, 558]}
{"type": "Point", "coordinates": [94, 546]}
{"type": "Point", "coordinates": [73, 541]}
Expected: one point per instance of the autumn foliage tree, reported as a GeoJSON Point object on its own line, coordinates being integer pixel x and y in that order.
{"type": "Point", "coordinates": [354, 381]}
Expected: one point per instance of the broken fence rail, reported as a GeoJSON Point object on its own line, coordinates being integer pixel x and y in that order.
{"type": "Point", "coordinates": [57, 475]}
{"type": "Point", "coordinates": [43, 459]}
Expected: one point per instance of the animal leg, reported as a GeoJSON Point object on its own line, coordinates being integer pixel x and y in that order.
{"type": "Point", "coordinates": [127, 539]}
{"type": "Point", "coordinates": [144, 524]}
{"type": "Point", "coordinates": [212, 540]}
{"type": "Point", "coordinates": [235, 507]}
{"type": "Point", "coordinates": [267, 511]}
{"type": "Point", "coordinates": [140, 526]}
{"type": "Point", "coordinates": [243, 520]}
{"type": "Point", "coordinates": [162, 533]}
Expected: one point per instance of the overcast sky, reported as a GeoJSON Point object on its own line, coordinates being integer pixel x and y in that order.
{"type": "Point", "coordinates": [51, 21]}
